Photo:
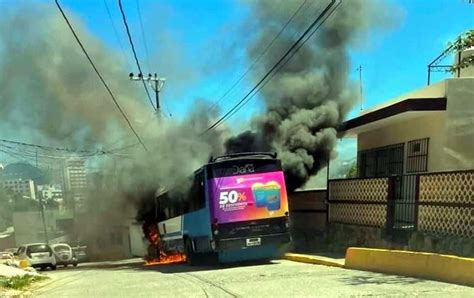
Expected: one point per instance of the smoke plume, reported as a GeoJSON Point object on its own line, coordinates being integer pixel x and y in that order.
{"type": "Point", "coordinates": [50, 95]}
{"type": "Point", "coordinates": [312, 94]}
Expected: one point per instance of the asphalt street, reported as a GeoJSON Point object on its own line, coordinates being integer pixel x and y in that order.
{"type": "Point", "coordinates": [280, 278]}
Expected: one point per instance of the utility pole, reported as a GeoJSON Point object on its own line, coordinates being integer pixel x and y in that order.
{"type": "Point", "coordinates": [360, 88]}
{"type": "Point", "coordinates": [156, 83]}
{"type": "Point", "coordinates": [41, 203]}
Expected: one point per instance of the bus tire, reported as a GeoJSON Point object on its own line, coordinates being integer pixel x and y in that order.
{"type": "Point", "coordinates": [190, 254]}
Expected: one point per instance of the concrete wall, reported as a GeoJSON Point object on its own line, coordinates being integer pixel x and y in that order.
{"type": "Point", "coordinates": [342, 236]}
{"type": "Point", "coordinates": [437, 90]}
{"type": "Point", "coordinates": [307, 219]}
{"type": "Point", "coordinates": [138, 242]}
{"type": "Point", "coordinates": [458, 153]}
{"type": "Point", "coordinates": [113, 243]}
{"type": "Point", "coordinates": [7, 241]}
{"type": "Point", "coordinates": [431, 125]}
{"type": "Point", "coordinates": [451, 133]}
{"type": "Point", "coordinates": [29, 226]}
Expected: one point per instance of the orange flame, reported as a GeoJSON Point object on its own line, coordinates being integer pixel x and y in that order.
{"type": "Point", "coordinates": [159, 256]}
{"type": "Point", "coordinates": [167, 259]}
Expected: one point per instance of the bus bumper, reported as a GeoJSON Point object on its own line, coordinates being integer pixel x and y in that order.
{"type": "Point", "coordinates": [254, 241]}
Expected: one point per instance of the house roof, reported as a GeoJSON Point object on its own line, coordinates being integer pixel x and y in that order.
{"type": "Point", "coordinates": [400, 107]}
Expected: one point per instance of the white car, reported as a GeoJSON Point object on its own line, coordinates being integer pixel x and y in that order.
{"type": "Point", "coordinates": [64, 254]}
{"type": "Point", "coordinates": [39, 255]}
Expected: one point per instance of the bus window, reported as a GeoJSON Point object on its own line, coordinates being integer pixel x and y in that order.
{"type": "Point", "coordinates": [197, 195]}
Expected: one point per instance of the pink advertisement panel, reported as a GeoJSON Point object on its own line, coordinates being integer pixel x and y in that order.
{"type": "Point", "coordinates": [248, 197]}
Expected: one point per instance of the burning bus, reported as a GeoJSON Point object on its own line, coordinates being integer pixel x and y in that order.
{"type": "Point", "coordinates": [236, 209]}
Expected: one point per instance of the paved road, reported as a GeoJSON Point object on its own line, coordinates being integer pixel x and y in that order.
{"type": "Point", "coordinates": [276, 279]}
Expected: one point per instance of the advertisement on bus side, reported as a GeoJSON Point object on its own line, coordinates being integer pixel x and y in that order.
{"type": "Point", "coordinates": [248, 197]}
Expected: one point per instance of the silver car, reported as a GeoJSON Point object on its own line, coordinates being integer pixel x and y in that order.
{"type": "Point", "coordinates": [64, 254]}
{"type": "Point", "coordinates": [39, 255]}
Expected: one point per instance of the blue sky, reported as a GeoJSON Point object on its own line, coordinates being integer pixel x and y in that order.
{"type": "Point", "coordinates": [198, 46]}
{"type": "Point", "coordinates": [394, 61]}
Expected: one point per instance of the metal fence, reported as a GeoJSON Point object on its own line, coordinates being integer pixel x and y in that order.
{"type": "Point", "coordinates": [446, 203]}
{"type": "Point", "coordinates": [439, 203]}
{"type": "Point", "coordinates": [358, 201]}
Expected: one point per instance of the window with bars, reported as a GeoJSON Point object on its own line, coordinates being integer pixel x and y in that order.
{"type": "Point", "coordinates": [381, 161]}
{"type": "Point", "coordinates": [417, 155]}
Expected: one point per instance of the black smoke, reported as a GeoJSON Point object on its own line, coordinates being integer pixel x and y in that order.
{"type": "Point", "coordinates": [311, 95]}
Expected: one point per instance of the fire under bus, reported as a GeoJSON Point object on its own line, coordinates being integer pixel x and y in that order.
{"type": "Point", "coordinates": [236, 210]}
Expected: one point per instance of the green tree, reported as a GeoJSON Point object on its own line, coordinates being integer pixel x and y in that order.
{"type": "Point", "coordinates": [352, 172]}
{"type": "Point", "coordinates": [463, 42]}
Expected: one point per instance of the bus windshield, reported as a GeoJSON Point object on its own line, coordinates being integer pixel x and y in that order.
{"type": "Point", "coordinates": [246, 190]}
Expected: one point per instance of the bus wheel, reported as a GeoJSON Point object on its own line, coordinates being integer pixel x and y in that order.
{"type": "Point", "coordinates": [190, 255]}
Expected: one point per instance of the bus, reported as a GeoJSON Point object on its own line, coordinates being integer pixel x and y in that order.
{"type": "Point", "coordinates": [236, 210]}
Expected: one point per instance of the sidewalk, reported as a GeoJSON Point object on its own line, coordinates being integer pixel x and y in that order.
{"type": "Point", "coordinates": [326, 259]}
{"type": "Point", "coordinates": [447, 268]}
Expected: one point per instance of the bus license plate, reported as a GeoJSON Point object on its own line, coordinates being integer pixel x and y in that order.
{"type": "Point", "coordinates": [254, 241]}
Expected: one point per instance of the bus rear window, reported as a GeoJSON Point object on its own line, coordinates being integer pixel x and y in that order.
{"type": "Point", "coordinates": [245, 166]}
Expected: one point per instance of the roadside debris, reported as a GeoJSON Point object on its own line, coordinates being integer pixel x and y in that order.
{"type": "Point", "coordinates": [15, 270]}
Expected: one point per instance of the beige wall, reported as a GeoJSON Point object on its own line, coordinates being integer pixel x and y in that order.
{"type": "Point", "coordinates": [432, 126]}
{"type": "Point", "coordinates": [459, 149]}
{"type": "Point", "coordinates": [450, 132]}
{"type": "Point", "coordinates": [436, 90]}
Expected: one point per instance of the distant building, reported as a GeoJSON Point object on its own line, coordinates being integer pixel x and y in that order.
{"type": "Point", "coordinates": [51, 192]}
{"type": "Point", "coordinates": [75, 182]}
{"type": "Point", "coordinates": [24, 187]}
{"type": "Point", "coordinates": [24, 171]}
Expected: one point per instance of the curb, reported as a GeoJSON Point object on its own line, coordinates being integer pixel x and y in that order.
{"type": "Point", "coordinates": [424, 265]}
{"type": "Point", "coordinates": [318, 260]}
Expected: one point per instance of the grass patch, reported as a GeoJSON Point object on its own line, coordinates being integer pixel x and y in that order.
{"type": "Point", "coordinates": [19, 282]}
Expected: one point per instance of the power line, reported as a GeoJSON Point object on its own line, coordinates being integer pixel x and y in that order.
{"type": "Point", "coordinates": [100, 76]}
{"type": "Point", "coordinates": [260, 55]}
{"type": "Point", "coordinates": [36, 153]}
{"type": "Point", "coordinates": [33, 154]}
{"type": "Point", "coordinates": [130, 40]}
{"type": "Point", "coordinates": [143, 34]}
{"type": "Point", "coordinates": [322, 16]}
{"type": "Point", "coordinates": [289, 58]}
{"type": "Point", "coordinates": [45, 147]}
{"type": "Point", "coordinates": [117, 36]}
{"type": "Point", "coordinates": [66, 150]}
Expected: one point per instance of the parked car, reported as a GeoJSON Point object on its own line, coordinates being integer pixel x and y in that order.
{"type": "Point", "coordinates": [6, 257]}
{"type": "Point", "coordinates": [80, 253]}
{"type": "Point", "coordinates": [38, 255]}
{"type": "Point", "coordinates": [64, 254]}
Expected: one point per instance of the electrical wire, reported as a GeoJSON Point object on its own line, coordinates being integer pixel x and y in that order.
{"type": "Point", "coordinates": [251, 67]}
{"type": "Point", "coordinates": [100, 76]}
{"type": "Point", "coordinates": [130, 40]}
{"type": "Point", "coordinates": [46, 147]}
{"type": "Point", "coordinates": [143, 34]}
{"type": "Point", "coordinates": [286, 61]}
{"type": "Point", "coordinates": [86, 153]}
{"type": "Point", "coordinates": [322, 16]}
{"type": "Point", "coordinates": [117, 36]}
